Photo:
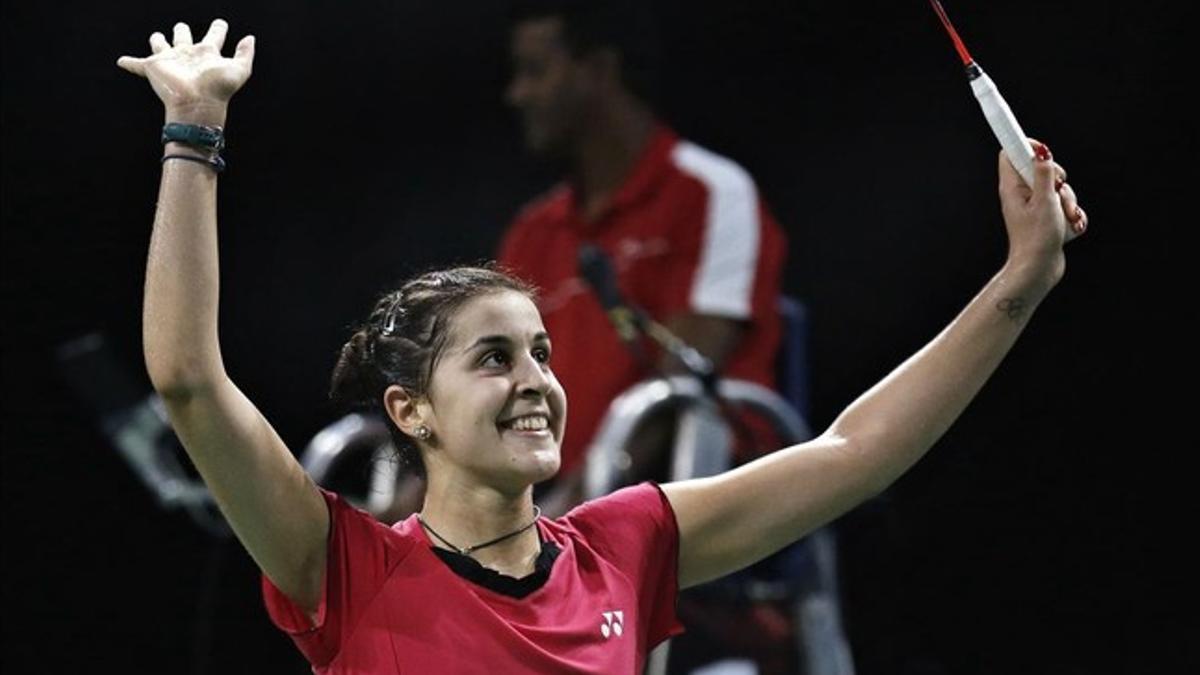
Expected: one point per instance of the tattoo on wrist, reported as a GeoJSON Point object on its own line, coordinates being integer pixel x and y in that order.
{"type": "Point", "coordinates": [1013, 307]}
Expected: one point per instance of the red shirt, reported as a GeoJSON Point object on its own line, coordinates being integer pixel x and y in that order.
{"type": "Point", "coordinates": [390, 605]}
{"type": "Point", "coordinates": [687, 233]}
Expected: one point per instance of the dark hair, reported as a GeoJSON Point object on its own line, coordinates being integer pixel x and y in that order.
{"type": "Point", "coordinates": [403, 337]}
{"type": "Point", "coordinates": [628, 27]}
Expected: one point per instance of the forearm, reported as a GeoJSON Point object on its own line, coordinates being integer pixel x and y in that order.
{"type": "Point", "coordinates": [181, 292]}
{"type": "Point", "coordinates": [733, 519]}
{"type": "Point", "coordinates": [266, 496]}
{"type": "Point", "coordinates": [786, 494]}
{"type": "Point", "coordinates": [892, 425]}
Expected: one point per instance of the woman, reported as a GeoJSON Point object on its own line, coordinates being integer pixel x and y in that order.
{"type": "Point", "coordinates": [460, 363]}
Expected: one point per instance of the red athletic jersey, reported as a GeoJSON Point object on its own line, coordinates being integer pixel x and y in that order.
{"type": "Point", "coordinates": [390, 605]}
{"type": "Point", "coordinates": [687, 233]}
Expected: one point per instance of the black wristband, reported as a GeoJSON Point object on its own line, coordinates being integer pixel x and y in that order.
{"type": "Point", "coordinates": [199, 136]}
{"type": "Point", "coordinates": [215, 161]}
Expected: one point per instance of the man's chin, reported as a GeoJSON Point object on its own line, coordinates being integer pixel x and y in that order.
{"type": "Point", "coordinates": [544, 146]}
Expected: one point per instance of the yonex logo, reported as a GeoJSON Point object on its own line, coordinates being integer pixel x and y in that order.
{"type": "Point", "coordinates": [614, 623]}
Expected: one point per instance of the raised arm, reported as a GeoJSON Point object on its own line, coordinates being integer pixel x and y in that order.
{"type": "Point", "coordinates": [729, 521]}
{"type": "Point", "coordinates": [270, 502]}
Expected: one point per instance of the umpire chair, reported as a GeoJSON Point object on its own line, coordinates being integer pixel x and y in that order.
{"type": "Point", "coordinates": [799, 581]}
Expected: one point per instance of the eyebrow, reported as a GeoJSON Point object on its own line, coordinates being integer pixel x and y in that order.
{"type": "Point", "coordinates": [493, 340]}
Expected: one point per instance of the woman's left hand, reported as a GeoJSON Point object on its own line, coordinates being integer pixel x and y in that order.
{"type": "Point", "coordinates": [1040, 219]}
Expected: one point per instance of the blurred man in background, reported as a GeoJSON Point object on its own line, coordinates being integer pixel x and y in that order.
{"type": "Point", "coordinates": [689, 238]}
{"type": "Point", "coordinates": [690, 242]}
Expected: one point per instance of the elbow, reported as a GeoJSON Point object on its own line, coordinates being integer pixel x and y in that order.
{"type": "Point", "coordinates": [179, 379]}
{"type": "Point", "coordinates": [178, 364]}
{"type": "Point", "coordinates": [860, 454]}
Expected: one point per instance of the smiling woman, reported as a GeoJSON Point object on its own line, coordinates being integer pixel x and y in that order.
{"type": "Point", "coordinates": [459, 362]}
{"type": "Point", "coordinates": [437, 319]}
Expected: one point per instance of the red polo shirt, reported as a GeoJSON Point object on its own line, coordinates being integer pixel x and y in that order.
{"type": "Point", "coordinates": [390, 606]}
{"type": "Point", "coordinates": [687, 234]}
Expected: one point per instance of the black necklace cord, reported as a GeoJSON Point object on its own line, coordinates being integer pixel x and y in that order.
{"type": "Point", "coordinates": [537, 513]}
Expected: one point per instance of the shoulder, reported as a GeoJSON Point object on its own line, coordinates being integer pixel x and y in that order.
{"type": "Point", "coordinates": [353, 526]}
{"type": "Point", "coordinates": [631, 513]}
{"type": "Point", "coordinates": [361, 553]}
{"type": "Point", "coordinates": [548, 205]}
{"type": "Point", "coordinates": [713, 172]}
{"type": "Point", "coordinates": [533, 220]}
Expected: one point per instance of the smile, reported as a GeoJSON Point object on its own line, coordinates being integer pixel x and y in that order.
{"type": "Point", "coordinates": [536, 422]}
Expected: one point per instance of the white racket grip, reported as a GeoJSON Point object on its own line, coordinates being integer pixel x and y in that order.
{"type": "Point", "coordinates": [1000, 118]}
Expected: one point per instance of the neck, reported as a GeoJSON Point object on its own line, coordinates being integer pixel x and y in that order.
{"type": "Point", "coordinates": [607, 152]}
{"type": "Point", "coordinates": [468, 516]}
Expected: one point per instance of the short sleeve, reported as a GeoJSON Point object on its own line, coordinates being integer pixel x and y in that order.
{"type": "Point", "coordinates": [362, 552]}
{"type": "Point", "coordinates": [721, 240]}
{"type": "Point", "coordinates": [634, 528]}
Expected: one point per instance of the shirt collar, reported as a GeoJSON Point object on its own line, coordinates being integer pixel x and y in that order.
{"type": "Point", "coordinates": [647, 171]}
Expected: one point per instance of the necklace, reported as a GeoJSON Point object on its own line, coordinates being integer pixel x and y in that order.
{"type": "Point", "coordinates": [537, 513]}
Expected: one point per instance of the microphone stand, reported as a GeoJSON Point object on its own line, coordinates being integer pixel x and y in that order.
{"type": "Point", "coordinates": [696, 364]}
{"type": "Point", "coordinates": [631, 322]}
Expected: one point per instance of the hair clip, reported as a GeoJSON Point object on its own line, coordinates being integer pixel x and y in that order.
{"type": "Point", "coordinates": [393, 316]}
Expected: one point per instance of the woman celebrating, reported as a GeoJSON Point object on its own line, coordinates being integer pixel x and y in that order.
{"type": "Point", "coordinates": [459, 363]}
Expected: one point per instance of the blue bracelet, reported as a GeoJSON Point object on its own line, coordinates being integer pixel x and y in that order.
{"type": "Point", "coordinates": [216, 162]}
{"type": "Point", "coordinates": [196, 135]}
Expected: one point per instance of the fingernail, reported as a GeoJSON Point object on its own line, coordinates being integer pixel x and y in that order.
{"type": "Point", "coordinates": [1042, 152]}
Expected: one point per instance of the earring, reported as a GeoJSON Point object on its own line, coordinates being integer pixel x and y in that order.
{"type": "Point", "coordinates": [423, 432]}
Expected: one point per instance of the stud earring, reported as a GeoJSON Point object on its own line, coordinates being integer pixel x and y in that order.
{"type": "Point", "coordinates": [423, 432]}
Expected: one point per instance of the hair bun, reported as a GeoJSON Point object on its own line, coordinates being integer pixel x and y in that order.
{"type": "Point", "coordinates": [350, 385]}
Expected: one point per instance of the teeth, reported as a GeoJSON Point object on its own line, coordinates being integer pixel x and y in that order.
{"type": "Point", "coordinates": [530, 423]}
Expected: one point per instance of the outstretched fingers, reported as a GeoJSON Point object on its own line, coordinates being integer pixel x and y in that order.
{"type": "Point", "coordinates": [184, 72]}
{"type": "Point", "coordinates": [132, 65]}
{"type": "Point", "coordinates": [158, 43]}
{"type": "Point", "coordinates": [183, 35]}
{"type": "Point", "coordinates": [244, 53]}
{"type": "Point", "coordinates": [215, 37]}
{"type": "Point", "coordinates": [137, 66]}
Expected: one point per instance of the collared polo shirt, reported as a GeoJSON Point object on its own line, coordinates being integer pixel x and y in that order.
{"type": "Point", "coordinates": [687, 234]}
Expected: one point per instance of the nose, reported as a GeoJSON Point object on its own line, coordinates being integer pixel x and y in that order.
{"type": "Point", "coordinates": [532, 377]}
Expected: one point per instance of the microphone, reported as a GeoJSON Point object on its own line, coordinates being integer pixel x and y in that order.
{"type": "Point", "coordinates": [596, 269]}
{"type": "Point", "coordinates": [631, 322]}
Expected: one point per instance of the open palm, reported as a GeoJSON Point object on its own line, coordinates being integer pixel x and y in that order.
{"type": "Point", "coordinates": [187, 73]}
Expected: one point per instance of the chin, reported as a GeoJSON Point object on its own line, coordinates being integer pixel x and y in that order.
{"type": "Point", "coordinates": [548, 462]}
{"type": "Point", "coordinates": [542, 464]}
{"type": "Point", "coordinates": [545, 146]}
{"type": "Point", "coordinates": [534, 461]}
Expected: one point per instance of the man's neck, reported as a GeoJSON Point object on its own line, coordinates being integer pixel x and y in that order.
{"type": "Point", "coordinates": [604, 157]}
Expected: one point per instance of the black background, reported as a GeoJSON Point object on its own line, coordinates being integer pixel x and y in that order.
{"type": "Point", "coordinates": [372, 141]}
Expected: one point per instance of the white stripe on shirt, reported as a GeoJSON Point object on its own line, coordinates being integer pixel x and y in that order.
{"type": "Point", "coordinates": [724, 281]}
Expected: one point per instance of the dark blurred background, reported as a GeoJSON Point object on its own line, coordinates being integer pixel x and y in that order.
{"type": "Point", "coordinates": [372, 141]}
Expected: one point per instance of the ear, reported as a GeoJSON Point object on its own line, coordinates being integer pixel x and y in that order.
{"type": "Point", "coordinates": [404, 409]}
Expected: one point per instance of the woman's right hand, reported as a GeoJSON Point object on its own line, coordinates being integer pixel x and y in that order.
{"type": "Point", "coordinates": [193, 80]}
